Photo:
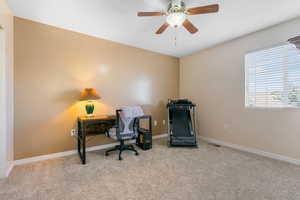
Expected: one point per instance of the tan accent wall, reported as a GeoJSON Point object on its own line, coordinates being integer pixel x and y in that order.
{"type": "Point", "coordinates": [214, 79]}
{"type": "Point", "coordinates": [53, 65]}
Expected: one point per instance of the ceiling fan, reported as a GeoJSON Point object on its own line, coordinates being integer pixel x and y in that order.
{"type": "Point", "coordinates": [176, 15]}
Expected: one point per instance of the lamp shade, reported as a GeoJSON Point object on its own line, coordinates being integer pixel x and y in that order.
{"type": "Point", "coordinates": [89, 94]}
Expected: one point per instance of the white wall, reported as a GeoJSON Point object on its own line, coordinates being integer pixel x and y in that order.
{"type": "Point", "coordinates": [214, 79]}
{"type": "Point", "coordinates": [6, 90]}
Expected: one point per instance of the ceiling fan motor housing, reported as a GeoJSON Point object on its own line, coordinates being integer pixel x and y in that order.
{"type": "Point", "coordinates": [176, 6]}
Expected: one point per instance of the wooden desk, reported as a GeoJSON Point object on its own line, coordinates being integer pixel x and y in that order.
{"type": "Point", "coordinates": [88, 126]}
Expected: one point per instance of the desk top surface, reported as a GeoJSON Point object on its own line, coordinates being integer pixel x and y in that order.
{"type": "Point", "coordinates": [99, 117]}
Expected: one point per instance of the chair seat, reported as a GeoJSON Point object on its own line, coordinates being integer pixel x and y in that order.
{"type": "Point", "coordinates": [113, 134]}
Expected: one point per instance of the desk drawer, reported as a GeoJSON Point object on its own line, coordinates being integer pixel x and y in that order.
{"type": "Point", "coordinates": [92, 129]}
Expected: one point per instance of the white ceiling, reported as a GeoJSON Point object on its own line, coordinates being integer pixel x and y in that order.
{"type": "Point", "coordinates": [116, 20]}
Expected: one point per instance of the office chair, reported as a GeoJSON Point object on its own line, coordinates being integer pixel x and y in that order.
{"type": "Point", "coordinates": [127, 128]}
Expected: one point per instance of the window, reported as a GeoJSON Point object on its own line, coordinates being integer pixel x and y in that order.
{"type": "Point", "coordinates": [273, 77]}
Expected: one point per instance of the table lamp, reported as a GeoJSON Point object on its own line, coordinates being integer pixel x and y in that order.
{"type": "Point", "coordinates": [89, 94]}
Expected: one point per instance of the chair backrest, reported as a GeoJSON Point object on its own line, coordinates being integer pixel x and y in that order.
{"type": "Point", "coordinates": [126, 124]}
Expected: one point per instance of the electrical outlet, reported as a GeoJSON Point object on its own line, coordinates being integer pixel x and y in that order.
{"type": "Point", "coordinates": [73, 132]}
{"type": "Point", "coordinates": [155, 123]}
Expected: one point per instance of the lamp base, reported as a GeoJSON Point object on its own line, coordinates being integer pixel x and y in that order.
{"type": "Point", "coordinates": [89, 107]}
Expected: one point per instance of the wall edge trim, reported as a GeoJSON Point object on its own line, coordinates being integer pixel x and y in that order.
{"type": "Point", "coordinates": [6, 169]}
{"type": "Point", "coordinates": [10, 167]}
{"type": "Point", "coordinates": [72, 152]}
{"type": "Point", "coordinates": [252, 150]}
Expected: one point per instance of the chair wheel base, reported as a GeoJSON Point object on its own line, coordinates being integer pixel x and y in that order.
{"type": "Point", "coordinates": [122, 147]}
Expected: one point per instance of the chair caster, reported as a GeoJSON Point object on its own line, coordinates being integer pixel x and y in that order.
{"type": "Point", "coordinates": [120, 158]}
{"type": "Point", "coordinates": [137, 154]}
{"type": "Point", "coordinates": [106, 154]}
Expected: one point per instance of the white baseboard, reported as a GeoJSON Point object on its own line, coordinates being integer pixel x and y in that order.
{"type": "Point", "coordinates": [6, 169]}
{"type": "Point", "coordinates": [67, 153]}
{"type": "Point", "coordinates": [10, 167]}
{"type": "Point", "coordinates": [160, 136]}
{"type": "Point", "coordinates": [60, 154]}
{"type": "Point", "coordinates": [254, 151]}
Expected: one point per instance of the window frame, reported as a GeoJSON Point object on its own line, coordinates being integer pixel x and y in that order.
{"type": "Point", "coordinates": [246, 104]}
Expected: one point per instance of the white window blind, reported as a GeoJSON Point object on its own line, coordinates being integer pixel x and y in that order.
{"type": "Point", "coordinates": [273, 77]}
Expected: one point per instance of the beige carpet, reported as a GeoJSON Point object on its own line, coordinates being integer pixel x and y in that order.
{"type": "Point", "coordinates": [207, 173]}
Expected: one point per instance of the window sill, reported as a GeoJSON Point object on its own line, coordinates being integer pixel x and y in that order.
{"type": "Point", "coordinates": [271, 108]}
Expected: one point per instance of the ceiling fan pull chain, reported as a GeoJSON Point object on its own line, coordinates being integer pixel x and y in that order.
{"type": "Point", "coordinates": [175, 38]}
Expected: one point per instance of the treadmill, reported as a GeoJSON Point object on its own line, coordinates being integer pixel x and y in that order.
{"type": "Point", "coordinates": [181, 126]}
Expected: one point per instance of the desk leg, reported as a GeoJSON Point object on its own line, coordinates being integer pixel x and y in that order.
{"type": "Point", "coordinates": [83, 146]}
{"type": "Point", "coordinates": [78, 137]}
{"type": "Point", "coordinates": [81, 142]}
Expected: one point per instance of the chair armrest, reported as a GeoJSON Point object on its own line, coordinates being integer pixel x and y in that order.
{"type": "Point", "coordinates": [144, 117]}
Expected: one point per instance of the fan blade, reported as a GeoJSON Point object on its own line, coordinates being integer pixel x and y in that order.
{"type": "Point", "coordinates": [203, 9]}
{"type": "Point", "coordinates": [149, 14]}
{"type": "Point", "coordinates": [162, 28]}
{"type": "Point", "coordinates": [190, 27]}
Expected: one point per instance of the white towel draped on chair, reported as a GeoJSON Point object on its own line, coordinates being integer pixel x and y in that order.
{"type": "Point", "coordinates": [128, 115]}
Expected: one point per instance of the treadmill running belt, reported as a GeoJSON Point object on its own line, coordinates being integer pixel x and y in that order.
{"type": "Point", "coordinates": [181, 126]}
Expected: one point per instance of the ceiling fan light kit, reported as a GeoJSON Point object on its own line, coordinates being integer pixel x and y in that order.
{"type": "Point", "coordinates": [176, 19]}
{"type": "Point", "coordinates": [176, 15]}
